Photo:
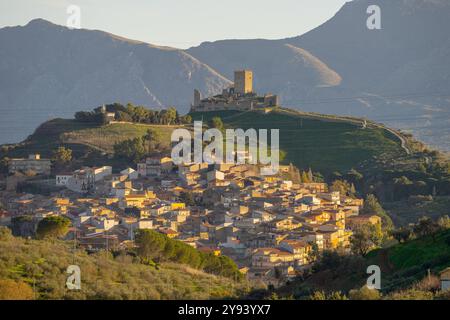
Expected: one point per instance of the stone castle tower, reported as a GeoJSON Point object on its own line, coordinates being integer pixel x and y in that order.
{"type": "Point", "coordinates": [243, 81]}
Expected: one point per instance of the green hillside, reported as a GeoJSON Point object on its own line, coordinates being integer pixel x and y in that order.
{"type": "Point", "coordinates": [393, 166]}
{"type": "Point", "coordinates": [325, 144]}
{"type": "Point", "coordinates": [406, 262]}
{"type": "Point", "coordinates": [83, 136]}
{"type": "Point", "coordinates": [106, 136]}
{"type": "Point", "coordinates": [401, 266]}
{"type": "Point", "coordinates": [42, 264]}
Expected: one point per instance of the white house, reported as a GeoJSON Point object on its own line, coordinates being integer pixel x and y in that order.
{"type": "Point", "coordinates": [445, 279]}
{"type": "Point", "coordinates": [103, 223]}
{"type": "Point", "coordinates": [130, 173]}
{"type": "Point", "coordinates": [62, 179]}
{"type": "Point", "coordinates": [82, 180]}
{"type": "Point", "coordinates": [102, 172]}
{"type": "Point", "coordinates": [155, 166]}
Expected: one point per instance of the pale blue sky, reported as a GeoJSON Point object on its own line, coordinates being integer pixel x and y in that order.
{"type": "Point", "coordinates": [180, 23]}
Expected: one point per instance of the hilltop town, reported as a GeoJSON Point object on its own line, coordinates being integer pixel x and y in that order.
{"type": "Point", "coordinates": [271, 227]}
{"type": "Point", "coordinates": [274, 227]}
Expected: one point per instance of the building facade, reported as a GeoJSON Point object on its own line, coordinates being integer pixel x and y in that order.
{"type": "Point", "coordinates": [32, 163]}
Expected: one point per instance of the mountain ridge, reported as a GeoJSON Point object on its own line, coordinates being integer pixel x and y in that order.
{"type": "Point", "coordinates": [398, 75]}
{"type": "Point", "coordinates": [48, 71]}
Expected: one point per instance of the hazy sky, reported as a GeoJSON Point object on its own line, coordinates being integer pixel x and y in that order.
{"type": "Point", "coordinates": [180, 23]}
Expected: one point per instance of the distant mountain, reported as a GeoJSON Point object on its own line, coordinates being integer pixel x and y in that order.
{"type": "Point", "coordinates": [399, 75]}
{"type": "Point", "coordinates": [49, 71]}
{"type": "Point", "coordinates": [278, 67]}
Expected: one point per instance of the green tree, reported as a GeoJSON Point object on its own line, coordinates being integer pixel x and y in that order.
{"type": "Point", "coordinates": [314, 254]}
{"type": "Point", "coordinates": [169, 116]}
{"type": "Point", "coordinates": [294, 174]}
{"type": "Point", "coordinates": [352, 190]}
{"type": "Point", "coordinates": [372, 206]}
{"type": "Point", "coordinates": [321, 295]}
{"type": "Point", "coordinates": [341, 186]}
{"type": "Point", "coordinates": [217, 123]}
{"type": "Point", "coordinates": [131, 149]}
{"type": "Point", "coordinates": [187, 119]}
{"type": "Point", "coordinates": [310, 175]}
{"type": "Point", "coordinates": [304, 177]}
{"type": "Point", "coordinates": [337, 295]}
{"type": "Point", "coordinates": [150, 244]}
{"type": "Point", "coordinates": [365, 238]}
{"type": "Point", "coordinates": [152, 140]}
{"type": "Point", "coordinates": [444, 222]}
{"type": "Point", "coordinates": [425, 227]}
{"type": "Point", "coordinates": [52, 227]}
{"type": "Point", "coordinates": [62, 155]}
{"type": "Point", "coordinates": [318, 295]}
{"type": "Point", "coordinates": [123, 116]}
{"type": "Point", "coordinates": [401, 234]}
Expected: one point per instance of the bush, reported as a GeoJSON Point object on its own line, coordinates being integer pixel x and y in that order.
{"type": "Point", "coordinates": [5, 234]}
{"type": "Point", "coordinates": [411, 294]}
{"type": "Point", "coordinates": [364, 293]}
{"type": "Point", "coordinates": [443, 295]}
{"type": "Point", "coordinates": [431, 283]}
{"type": "Point", "coordinates": [52, 227]}
{"type": "Point", "coordinates": [321, 295]}
{"type": "Point", "coordinates": [15, 290]}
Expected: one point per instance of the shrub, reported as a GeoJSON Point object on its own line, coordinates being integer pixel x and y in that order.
{"type": "Point", "coordinates": [411, 294]}
{"type": "Point", "coordinates": [52, 227]}
{"type": "Point", "coordinates": [364, 293]}
{"type": "Point", "coordinates": [15, 290]}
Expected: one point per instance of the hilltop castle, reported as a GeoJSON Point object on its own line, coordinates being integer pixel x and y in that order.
{"type": "Point", "coordinates": [240, 96]}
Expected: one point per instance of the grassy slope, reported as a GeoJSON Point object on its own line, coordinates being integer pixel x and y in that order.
{"type": "Point", "coordinates": [83, 136]}
{"type": "Point", "coordinates": [47, 137]}
{"type": "Point", "coordinates": [104, 277]}
{"type": "Point", "coordinates": [401, 265]}
{"type": "Point", "coordinates": [407, 262]}
{"type": "Point", "coordinates": [421, 251]}
{"type": "Point", "coordinates": [324, 146]}
{"type": "Point", "coordinates": [105, 137]}
{"type": "Point", "coordinates": [403, 213]}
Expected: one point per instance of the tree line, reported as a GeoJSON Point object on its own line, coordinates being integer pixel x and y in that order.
{"type": "Point", "coordinates": [132, 113]}
{"type": "Point", "coordinates": [156, 247]}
